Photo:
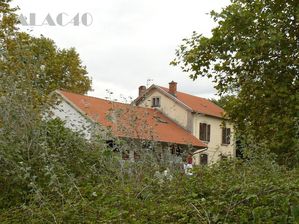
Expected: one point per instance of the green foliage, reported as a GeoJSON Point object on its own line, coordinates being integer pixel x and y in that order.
{"type": "Point", "coordinates": [8, 21]}
{"type": "Point", "coordinates": [37, 61]}
{"type": "Point", "coordinates": [253, 54]}
{"type": "Point", "coordinates": [48, 67]}
{"type": "Point", "coordinates": [225, 102]}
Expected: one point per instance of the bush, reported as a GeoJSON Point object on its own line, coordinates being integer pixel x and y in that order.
{"type": "Point", "coordinates": [69, 180]}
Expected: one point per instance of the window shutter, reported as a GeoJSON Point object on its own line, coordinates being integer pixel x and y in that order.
{"type": "Point", "coordinates": [201, 131]}
{"type": "Point", "coordinates": [204, 131]}
{"type": "Point", "coordinates": [209, 133]}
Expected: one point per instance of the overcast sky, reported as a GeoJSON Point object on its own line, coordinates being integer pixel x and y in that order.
{"type": "Point", "coordinates": [129, 41]}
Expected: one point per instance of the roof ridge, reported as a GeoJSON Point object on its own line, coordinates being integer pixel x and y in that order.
{"type": "Point", "coordinates": [109, 101]}
{"type": "Point", "coordinates": [187, 94]}
{"type": "Point", "coordinates": [194, 96]}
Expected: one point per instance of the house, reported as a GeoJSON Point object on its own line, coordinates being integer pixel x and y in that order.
{"type": "Point", "coordinates": [200, 117]}
{"type": "Point", "coordinates": [93, 116]}
{"type": "Point", "coordinates": [177, 121]}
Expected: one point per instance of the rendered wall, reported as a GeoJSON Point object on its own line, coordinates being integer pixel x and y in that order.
{"type": "Point", "coordinates": [170, 108]}
{"type": "Point", "coordinates": [73, 119]}
{"type": "Point", "coordinates": [215, 146]}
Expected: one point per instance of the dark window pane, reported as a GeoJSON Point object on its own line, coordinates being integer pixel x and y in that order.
{"type": "Point", "coordinates": [203, 159]}
{"type": "Point", "coordinates": [155, 102]}
{"type": "Point", "coordinates": [223, 135]}
{"type": "Point", "coordinates": [228, 136]}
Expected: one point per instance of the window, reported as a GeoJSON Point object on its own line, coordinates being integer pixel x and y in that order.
{"type": "Point", "coordinates": [156, 102]}
{"type": "Point", "coordinates": [176, 150]}
{"type": "Point", "coordinates": [226, 136]}
{"type": "Point", "coordinates": [203, 159]}
{"type": "Point", "coordinates": [204, 132]}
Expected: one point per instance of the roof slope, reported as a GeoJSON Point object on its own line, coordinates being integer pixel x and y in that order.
{"type": "Point", "coordinates": [198, 104]}
{"type": "Point", "coordinates": [130, 121]}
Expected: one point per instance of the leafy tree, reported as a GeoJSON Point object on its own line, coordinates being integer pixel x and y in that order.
{"type": "Point", "coordinates": [253, 54]}
{"type": "Point", "coordinates": [49, 68]}
{"type": "Point", "coordinates": [224, 101]}
{"type": "Point", "coordinates": [37, 60]}
{"type": "Point", "coordinates": [8, 19]}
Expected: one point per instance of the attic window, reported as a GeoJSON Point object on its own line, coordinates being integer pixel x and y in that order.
{"type": "Point", "coordinates": [156, 102]}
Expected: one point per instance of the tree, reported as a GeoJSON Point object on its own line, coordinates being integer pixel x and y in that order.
{"type": "Point", "coordinates": [8, 19]}
{"type": "Point", "coordinates": [37, 60]}
{"type": "Point", "coordinates": [49, 68]}
{"type": "Point", "coordinates": [253, 54]}
{"type": "Point", "coordinates": [224, 101]}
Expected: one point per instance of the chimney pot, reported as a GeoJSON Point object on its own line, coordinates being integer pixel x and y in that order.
{"type": "Point", "coordinates": [173, 88]}
{"type": "Point", "coordinates": [142, 90]}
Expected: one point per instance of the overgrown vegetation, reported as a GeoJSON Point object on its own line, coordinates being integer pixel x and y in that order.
{"type": "Point", "coordinates": [49, 174]}
{"type": "Point", "coordinates": [52, 175]}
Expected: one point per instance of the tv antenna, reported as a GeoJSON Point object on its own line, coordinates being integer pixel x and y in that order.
{"type": "Point", "coordinates": [149, 82]}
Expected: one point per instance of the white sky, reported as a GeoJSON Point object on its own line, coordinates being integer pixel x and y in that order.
{"type": "Point", "coordinates": [129, 41]}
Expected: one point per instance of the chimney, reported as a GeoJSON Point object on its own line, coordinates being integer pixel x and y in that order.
{"type": "Point", "coordinates": [142, 90]}
{"type": "Point", "coordinates": [173, 88]}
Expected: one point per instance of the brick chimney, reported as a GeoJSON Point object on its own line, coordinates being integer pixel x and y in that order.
{"type": "Point", "coordinates": [142, 90]}
{"type": "Point", "coordinates": [173, 88]}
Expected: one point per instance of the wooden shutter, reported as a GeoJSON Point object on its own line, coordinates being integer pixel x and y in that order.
{"type": "Point", "coordinates": [208, 133]}
{"type": "Point", "coordinates": [201, 131]}
{"type": "Point", "coordinates": [204, 131]}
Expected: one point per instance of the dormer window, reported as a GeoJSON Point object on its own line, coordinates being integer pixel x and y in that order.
{"type": "Point", "coordinates": [156, 102]}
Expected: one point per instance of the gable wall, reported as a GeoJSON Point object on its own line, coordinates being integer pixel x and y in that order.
{"type": "Point", "coordinates": [170, 108]}
{"type": "Point", "coordinates": [72, 118]}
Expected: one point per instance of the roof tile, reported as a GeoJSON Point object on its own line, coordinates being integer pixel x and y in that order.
{"type": "Point", "coordinates": [198, 104]}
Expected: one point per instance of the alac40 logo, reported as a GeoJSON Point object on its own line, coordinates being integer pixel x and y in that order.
{"type": "Point", "coordinates": [62, 19]}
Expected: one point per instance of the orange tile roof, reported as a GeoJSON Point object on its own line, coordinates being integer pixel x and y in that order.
{"type": "Point", "coordinates": [131, 121]}
{"type": "Point", "coordinates": [198, 104]}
